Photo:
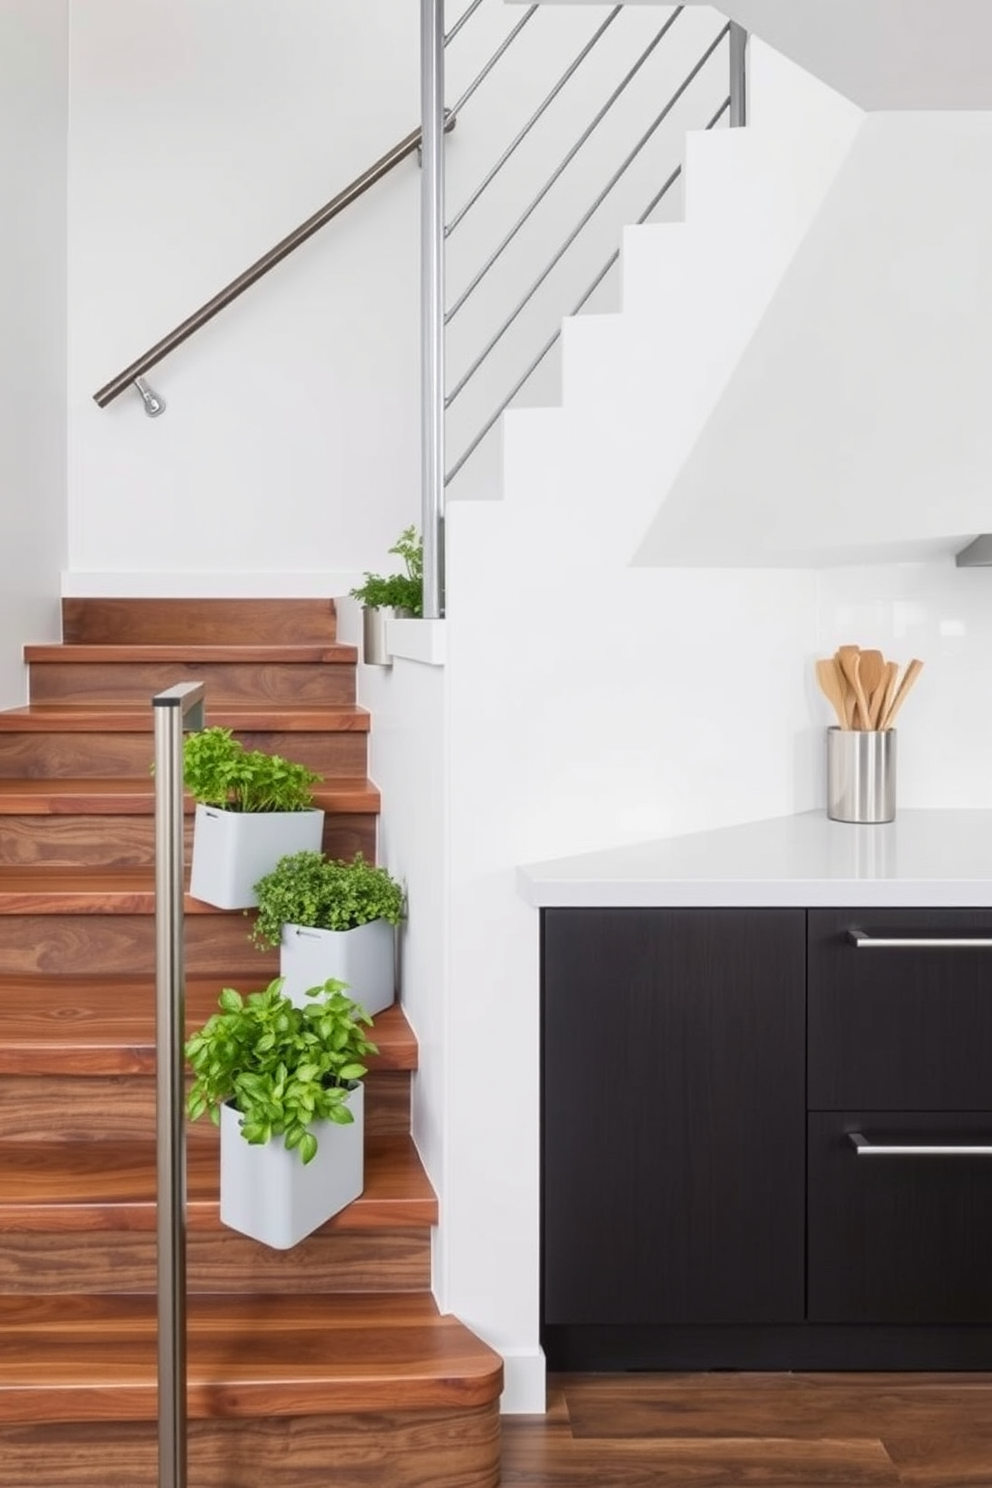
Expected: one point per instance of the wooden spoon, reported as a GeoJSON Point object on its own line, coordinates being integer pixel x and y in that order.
{"type": "Point", "coordinates": [849, 658]}
{"type": "Point", "coordinates": [832, 686]}
{"type": "Point", "coordinates": [912, 672]}
{"type": "Point", "coordinates": [889, 687]}
{"type": "Point", "coordinates": [872, 671]}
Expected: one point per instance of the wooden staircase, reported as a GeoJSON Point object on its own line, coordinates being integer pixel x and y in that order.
{"type": "Point", "coordinates": [328, 1363]}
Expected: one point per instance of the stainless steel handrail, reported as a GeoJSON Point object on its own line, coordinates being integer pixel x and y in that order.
{"type": "Point", "coordinates": [579, 304]}
{"type": "Point", "coordinates": [224, 297]}
{"type": "Point", "coordinates": [563, 165]}
{"type": "Point", "coordinates": [586, 217]}
{"type": "Point", "coordinates": [569, 72]}
{"type": "Point", "coordinates": [175, 709]}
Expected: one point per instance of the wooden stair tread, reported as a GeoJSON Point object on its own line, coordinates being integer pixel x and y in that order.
{"type": "Point", "coordinates": [113, 717]}
{"type": "Point", "coordinates": [90, 1185]}
{"type": "Point", "coordinates": [173, 619]}
{"type": "Point", "coordinates": [94, 1358]}
{"type": "Point", "coordinates": [106, 1025]}
{"type": "Point", "coordinates": [331, 652]}
{"type": "Point", "coordinates": [130, 796]}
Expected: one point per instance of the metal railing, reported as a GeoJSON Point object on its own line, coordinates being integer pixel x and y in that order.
{"type": "Point", "coordinates": [176, 709]}
{"type": "Point", "coordinates": [436, 318]}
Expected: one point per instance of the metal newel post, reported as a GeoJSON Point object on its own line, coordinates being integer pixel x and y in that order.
{"type": "Point", "coordinates": [432, 302]}
{"type": "Point", "coordinates": [738, 76]}
{"type": "Point", "coordinates": [172, 709]}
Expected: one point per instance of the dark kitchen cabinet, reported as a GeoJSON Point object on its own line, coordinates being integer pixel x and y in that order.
{"type": "Point", "coordinates": [704, 1075]}
{"type": "Point", "coordinates": [674, 1099]}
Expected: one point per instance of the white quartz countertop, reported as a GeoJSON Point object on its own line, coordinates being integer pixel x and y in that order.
{"type": "Point", "coordinates": [923, 858]}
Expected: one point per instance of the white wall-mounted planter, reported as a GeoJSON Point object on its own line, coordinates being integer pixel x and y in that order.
{"type": "Point", "coordinates": [232, 850]}
{"type": "Point", "coordinates": [268, 1193]}
{"type": "Point", "coordinates": [364, 958]}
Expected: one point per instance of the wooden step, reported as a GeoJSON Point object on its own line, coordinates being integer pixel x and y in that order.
{"type": "Point", "coordinates": [88, 1186]}
{"type": "Point", "coordinates": [64, 823]}
{"type": "Point", "coordinates": [233, 675]}
{"type": "Point", "coordinates": [451, 1446]}
{"type": "Point", "coordinates": [382, 1259]}
{"type": "Point", "coordinates": [151, 622]}
{"type": "Point", "coordinates": [51, 943]}
{"type": "Point", "coordinates": [106, 1025]}
{"type": "Point", "coordinates": [78, 1358]}
{"type": "Point", "coordinates": [83, 741]}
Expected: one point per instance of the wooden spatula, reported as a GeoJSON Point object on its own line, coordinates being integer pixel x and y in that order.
{"type": "Point", "coordinates": [909, 677]}
{"type": "Point", "coordinates": [872, 672]}
{"type": "Point", "coordinates": [849, 659]}
{"type": "Point", "coordinates": [832, 686]}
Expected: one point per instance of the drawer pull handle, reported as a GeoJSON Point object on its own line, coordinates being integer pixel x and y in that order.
{"type": "Point", "coordinates": [863, 942]}
{"type": "Point", "coordinates": [864, 1148]}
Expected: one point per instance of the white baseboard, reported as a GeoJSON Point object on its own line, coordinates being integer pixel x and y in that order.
{"type": "Point", "coordinates": [524, 1383]}
{"type": "Point", "coordinates": [316, 585]}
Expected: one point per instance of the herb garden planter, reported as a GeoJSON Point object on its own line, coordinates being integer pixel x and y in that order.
{"type": "Point", "coordinates": [232, 850]}
{"type": "Point", "coordinates": [268, 1194]}
{"type": "Point", "coordinates": [364, 958]}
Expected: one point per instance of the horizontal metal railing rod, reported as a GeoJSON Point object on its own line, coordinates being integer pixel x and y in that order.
{"type": "Point", "coordinates": [461, 21]}
{"type": "Point", "coordinates": [579, 304]}
{"type": "Point", "coordinates": [565, 162]}
{"type": "Point", "coordinates": [503, 47]}
{"type": "Point", "coordinates": [585, 218]}
{"type": "Point", "coordinates": [119, 384]}
{"type": "Point", "coordinates": [535, 116]}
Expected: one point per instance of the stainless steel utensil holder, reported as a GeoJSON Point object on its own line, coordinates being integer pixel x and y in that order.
{"type": "Point", "coordinates": [861, 775]}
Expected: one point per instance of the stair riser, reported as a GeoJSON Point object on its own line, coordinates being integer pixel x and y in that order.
{"type": "Point", "coordinates": [94, 1107]}
{"type": "Point", "coordinates": [228, 683]}
{"type": "Point", "coordinates": [94, 1262]}
{"type": "Point", "coordinates": [106, 944]}
{"type": "Point", "coordinates": [216, 622]}
{"type": "Point", "coordinates": [441, 1448]}
{"type": "Point", "coordinates": [90, 756]}
{"type": "Point", "coordinates": [129, 841]}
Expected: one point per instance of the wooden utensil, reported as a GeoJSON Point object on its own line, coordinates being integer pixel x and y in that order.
{"type": "Point", "coordinates": [872, 672]}
{"type": "Point", "coordinates": [909, 677]}
{"type": "Point", "coordinates": [889, 688]}
{"type": "Point", "coordinates": [849, 658]}
{"type": "Point", "coordinates": [832, 686]}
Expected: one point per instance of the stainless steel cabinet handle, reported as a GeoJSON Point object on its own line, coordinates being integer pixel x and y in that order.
{"type": "Point", "coordinates": [863, 942]}
{"type": "Point", "coordinates": [864, 1148]}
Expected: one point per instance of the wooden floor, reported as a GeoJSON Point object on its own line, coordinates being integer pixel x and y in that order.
{"type": "Point", "coordinates": [755, 1431]}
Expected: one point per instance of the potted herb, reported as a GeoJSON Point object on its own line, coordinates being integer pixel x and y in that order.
{"type": "Point", "coordinates": [251, 809]}
{"type": "Point", "coordinates": [284, 1083]}
{"type": "Point", "coordinates": [332, 918]}
{"type": "Point", "coordinates": [391, 597]}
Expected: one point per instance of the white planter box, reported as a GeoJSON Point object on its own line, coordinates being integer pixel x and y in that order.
{"type": "Point", "coordinates": [365, 958]}
{"type": "Point", "coordinates": [267, 1192]}
{"type": "Point", "coordinates": [232, 850]}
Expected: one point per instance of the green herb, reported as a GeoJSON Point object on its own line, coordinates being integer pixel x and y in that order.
{"type": "Point", "coordinates": [402, 591]}
{"type": "Point", "coordinates": [219, 771]}
{"type": "Point", "coordinates": [306, 888]}
{"type": "Point", "coordinates": [282, 1067]}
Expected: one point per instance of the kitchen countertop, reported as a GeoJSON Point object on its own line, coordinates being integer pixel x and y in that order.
{"type": "Point", "coordinates": [925, 858]}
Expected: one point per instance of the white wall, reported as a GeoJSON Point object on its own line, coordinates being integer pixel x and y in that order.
{"type": "Point", "coordinates": [201, 131]}
{"type": "Point", "coordinates": [33, 78]}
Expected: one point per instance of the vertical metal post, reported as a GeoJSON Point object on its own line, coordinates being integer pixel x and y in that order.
{"type": "Point", "coordinates": [738, 76]}
{"type": "Point", "coordinates": [171, 709]}
{"type": "Point", "coordinates": [432, 302]}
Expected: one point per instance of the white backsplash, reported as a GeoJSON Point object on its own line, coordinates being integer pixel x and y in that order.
{"type": "Point", "coordinates": [943, 615]}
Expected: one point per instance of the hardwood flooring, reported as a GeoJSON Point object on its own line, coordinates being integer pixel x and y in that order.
{"type": "Point", "coordinates": [755, 1431]}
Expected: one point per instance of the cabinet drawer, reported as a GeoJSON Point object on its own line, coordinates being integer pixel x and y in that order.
{"type": "Point", "coordinates": [895, 1236]}
{"type": "Point", "coordinates": [905, 1025]}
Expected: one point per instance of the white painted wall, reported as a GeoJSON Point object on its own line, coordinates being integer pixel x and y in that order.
{"type": "Point", "coordinates": [202, 130]}
{"type": "Point", "coordinates": [855, 427]}
{"type": "Point", "coordinates": [33, 77]}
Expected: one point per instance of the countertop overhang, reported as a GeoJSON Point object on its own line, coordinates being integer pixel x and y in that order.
{"type": "Point", "coordinates": [924, 859]}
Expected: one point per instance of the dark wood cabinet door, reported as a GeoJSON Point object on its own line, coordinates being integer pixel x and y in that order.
{"type": "Point", "coordinates": [673, 1116]}
{"type": "Point", "coordinates": [900, 1027]}
{"type": "Point", "coordinates": [897, 1237]}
